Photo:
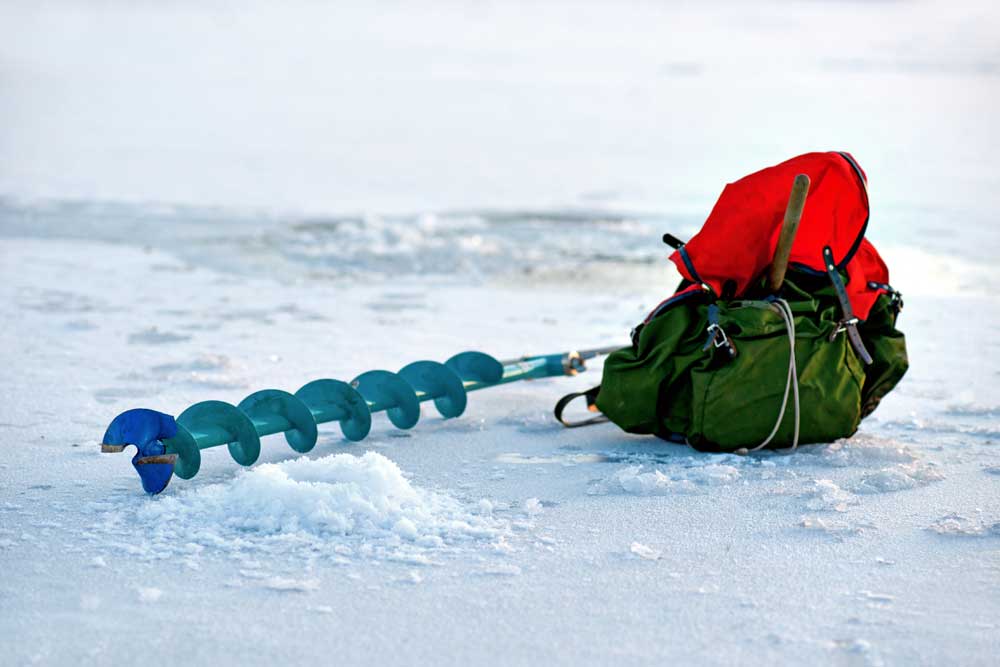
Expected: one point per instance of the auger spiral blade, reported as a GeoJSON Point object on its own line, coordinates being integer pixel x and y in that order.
{"type": "Point", "coordinates": [166, 445]}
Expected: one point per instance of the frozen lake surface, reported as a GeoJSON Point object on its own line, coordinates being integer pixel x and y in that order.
{"type": "Point", "coordinates": [197, 203]}
{"type": "Point", "coordinates": [498, 536]}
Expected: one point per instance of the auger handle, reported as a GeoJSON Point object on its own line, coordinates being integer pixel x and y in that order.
{"type": "Point", "coordinates": [790, 225]}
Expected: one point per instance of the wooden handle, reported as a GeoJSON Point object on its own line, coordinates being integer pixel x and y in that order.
{"type": "Point", "coordinates": [793, 213]}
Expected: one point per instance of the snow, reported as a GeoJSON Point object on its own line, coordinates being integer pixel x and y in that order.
{"type": "Point", "coordinates": [897, 478]}
{"type": "Point", "coordinates": [826, 495]}
{"type": "Point", "coordinates": [959, 526]}
{"type": "Point", "coordinates": [639, 481]}
{"type": "Point", "coordinates": [404, 183]}
{"type": "Point", "coordinates": [497, 512]}
{"type": "Point", "coordinates": [293, 585]}
{"type": "Point", "coordinates": [645, 552]}
{"type": "Point", "coordinates": [148, 593]}
{"type": "Point", "coordinates": [299, 506]}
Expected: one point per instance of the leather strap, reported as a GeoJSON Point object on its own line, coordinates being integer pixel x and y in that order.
{"type": "Point", "coordinates": [591, 396]}
{"type": "Point", "coordinates": [849, 323]}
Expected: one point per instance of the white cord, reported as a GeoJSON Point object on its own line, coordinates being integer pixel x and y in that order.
{"type": "Point", "coordinates": [782, 307]}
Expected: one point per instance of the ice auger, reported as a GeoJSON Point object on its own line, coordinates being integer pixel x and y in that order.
{"type": "Point", "coordinates": [166, 445]}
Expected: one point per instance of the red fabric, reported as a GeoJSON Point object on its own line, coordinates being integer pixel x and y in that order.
{"type": "Point", "coordinates": [866, 266]}
{"type": "Point", "coordinates": [738, 239]}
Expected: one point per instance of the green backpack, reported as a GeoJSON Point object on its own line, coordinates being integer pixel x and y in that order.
{"type": "Point", "coordinates": [716, 374]}
{"type": "Point", "coordinates": [738, 359]}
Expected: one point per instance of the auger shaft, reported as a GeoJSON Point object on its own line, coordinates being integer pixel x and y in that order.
{"type": "Point", "coordinates": [166, 444]}
{"type": "Point", "coordinates": [214, 436]}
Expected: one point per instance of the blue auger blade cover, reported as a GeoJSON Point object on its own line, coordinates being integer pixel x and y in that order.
{"type": "Point", "coordinates": [146, 430]}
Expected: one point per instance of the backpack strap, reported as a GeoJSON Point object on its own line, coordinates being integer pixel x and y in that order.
{"type": "Point", "coordinates": [849, 323]}
{"type": "Point", "coordinates": [591, 396]}
{"type": "Point", "coordinates": [717, 335]}
{"type": "Point", "coordinates": [678, 245]}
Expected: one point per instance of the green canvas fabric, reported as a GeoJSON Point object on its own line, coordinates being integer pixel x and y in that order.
{"type": "Point", "coordinates": [666, 384]}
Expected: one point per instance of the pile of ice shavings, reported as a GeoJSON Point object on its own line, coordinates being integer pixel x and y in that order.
{"type": "Point", "coordinates": [339, 506]}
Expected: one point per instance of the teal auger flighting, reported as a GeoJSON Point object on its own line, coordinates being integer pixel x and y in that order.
{"type": "Point", "coordinates": [166, 445]}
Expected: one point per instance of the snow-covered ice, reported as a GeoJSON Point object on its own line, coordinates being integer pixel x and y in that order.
{"type": "Point", "coordinates": [645, 552]}
{"type": "Point", "coordinates": [381, 185]}
{"type": "Point", "coordinates": [481, 526]}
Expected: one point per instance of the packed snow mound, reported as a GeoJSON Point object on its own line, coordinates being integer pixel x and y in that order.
{"type": "Point", "coordinates": [339, 504]}
{"type": "Point", "coordinates": [341, 494]}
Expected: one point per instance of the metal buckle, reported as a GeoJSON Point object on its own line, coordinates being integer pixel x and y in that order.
{"type": "Point", "coordinates": [717, 335]}
{"type": "Point", "coordinates": [896, 300]}
{"type": "Point", "coordinates": [895, 296]}
{"type": "Point", "coordinates": [842, 326]}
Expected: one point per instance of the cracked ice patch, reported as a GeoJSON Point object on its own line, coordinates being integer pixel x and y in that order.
{"type": "Point", "coordinates": [641, 481]}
